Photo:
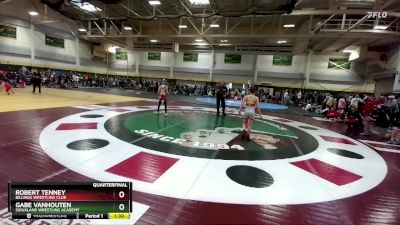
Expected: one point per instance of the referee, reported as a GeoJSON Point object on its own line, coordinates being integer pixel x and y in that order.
{"type": "Point", "coordinates": [37, 82]}
{"type": "Point", "coordinates": [220, 92]}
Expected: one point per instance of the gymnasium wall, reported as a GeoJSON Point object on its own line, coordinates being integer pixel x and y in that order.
{"type": "Point", "coordinates": [253, 68]}
{"type": "Point", "coordinates": [387, 74]}
{"type": "Point", "coordinates": [324, 78]}
{"type": "Point", "coordinates": [16, 50]}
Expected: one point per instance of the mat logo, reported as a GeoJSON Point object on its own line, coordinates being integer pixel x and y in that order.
{"type": "Point", "coordinates": [155, 152]}
{"type": "Point", "coordinates": [192, 139]}
{"type": "Point", "coordinates": [379, 15]}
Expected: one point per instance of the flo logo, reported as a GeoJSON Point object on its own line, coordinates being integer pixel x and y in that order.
{"type": "Point", "coordinates": [380, 15]}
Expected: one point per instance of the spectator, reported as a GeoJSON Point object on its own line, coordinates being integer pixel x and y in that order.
{"type": "Point", "coordinates": [355, 101]}
{"type": "Point", "coordinates": [392, 109]}
{"type": "Point", "coordinates": [342, 103]}
{"type": "Point", "coordinates": [286, 97]}
{"type": "Point", "coordinates": [353, 119]}
{"type": "Point", "coordinates": [382, 121]}
{"type": "Point", "coordinates": [299, 95]}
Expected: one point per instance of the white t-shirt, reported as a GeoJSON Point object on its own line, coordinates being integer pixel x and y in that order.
{"type": "Point", "coordinates": [286, 94]}
{"type": "Point", "coordinates": [355, 101]}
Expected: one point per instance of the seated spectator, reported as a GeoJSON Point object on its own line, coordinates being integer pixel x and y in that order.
{"type": "Point", "coordinates": [395, 137]}
{"type": "Point", "coordinates": [21, 83]}
{"type": "Point", "coordinates": [308, 107]}
{"type": "Point", "coordinates": [263, 98]}
{"type": "Point", "coordinates": [332, 113]}
{"type": "Point", "coordinates": [353, 118]}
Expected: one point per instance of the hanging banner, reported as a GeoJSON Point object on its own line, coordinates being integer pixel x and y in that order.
{"type": "Point", "coordinates": [8, 31]}
{"type": "Point", "coordinates": [282, 60]}
{"type": "Point", "coordinates": [190, 57]}
{"type": "Point", "coordinates": [54, 41]}
{"type": "Point", "coordinates": [233, 58]}
{"type": "Point", "coordinates": [339, 63]}
{"type": "Point", "coordinates": [154, 56]}
{"type": "Point", "coordinates": [121, 56]}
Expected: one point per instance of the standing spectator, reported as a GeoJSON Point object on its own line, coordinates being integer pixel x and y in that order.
{"type": "Point", "coordinates": [299, 97]}
{"type": "Point", "coordinates": [342, 103]}
{"type": "Point", "coordinates": [220, 93]}
{"type": "Point", "coordinates": [75, 80]}
{"type": "Point", "coordinates": [286, 97]}
{"type": "Point", "coordinates": [243, 93]}
{"type": "Point", "coordinates": [382, 121]}
{"type": "Point", "coordinates": [355, 101]}
{"type": "Point", "coordinates": [392, 108]}
{"type": "Point", "coordinates": [369, 111]}
{"type": "Point", "coordinates": [329, 101]}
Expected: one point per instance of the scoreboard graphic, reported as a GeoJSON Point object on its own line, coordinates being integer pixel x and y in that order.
{"type": "Point", "coordinates": [94, 200]}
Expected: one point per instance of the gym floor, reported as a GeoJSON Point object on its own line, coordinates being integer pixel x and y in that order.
{"type": "Point", "coordinates": [192, 167]}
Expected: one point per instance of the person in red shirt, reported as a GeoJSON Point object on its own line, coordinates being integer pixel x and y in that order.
{"type": "Point", "coordinates": [369, 108]}
{"type": "Point", "coordinates": [369, 105]}
{"type": "Point", "coordinates": [7, 86]}
{"type": "Point", "coordinates": [332, 113]}
{"type": "Point", "coordinates": [21, 83]}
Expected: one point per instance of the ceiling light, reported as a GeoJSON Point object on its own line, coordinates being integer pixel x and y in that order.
{"type": "Point", "coordinates": [214, 25]}
{"type": "Point", "coordinates": [380, 27]}
{"type": "Point", "coordinates": [199, 2]}
{"type": "Point", "coordinates": [354, 52]}
{"type": "Point", "coordinates": [153, 41]}
{"type": "Point", "coordinates": [154, 2]}
{"type": "Point", "coordinates": [86, 6]}
{"type": "Point", "coordinates": [33, 13]}
{"type": "Point", "coordinates": [201, 43]}
{"type": "Point", "coordinates": [223, 41]}
{"type": "Point", "coordinates": [225, 44]}
{"type": "Point", "coordinates": [289, 25]}
{"type": "Point", "coordinates": [112, 49]}
{"type": "Point", "coordinates": [182, 26]}
{"type": "Point", "coordinates": [281, 42]}
{"type": "Point", "coordinates": [82, 29]}
{"type": "Point", "coordinates": [127, 28]}
{"type": "Point", "coordinates": [199, 40]}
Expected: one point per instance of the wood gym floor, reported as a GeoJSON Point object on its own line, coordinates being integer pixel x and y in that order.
{"type": "Point", "coordinates": [192, 167]}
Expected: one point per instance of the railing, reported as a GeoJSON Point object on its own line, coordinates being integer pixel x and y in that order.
{"type": "Point", "coordinates": [336, 24]}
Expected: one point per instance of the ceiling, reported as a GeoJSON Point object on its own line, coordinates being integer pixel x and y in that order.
{"type": "Point", "coordinates": [254, 26]}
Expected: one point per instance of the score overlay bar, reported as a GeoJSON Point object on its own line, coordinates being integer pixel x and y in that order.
{"type": "Point", "coordinates": [94, 200]}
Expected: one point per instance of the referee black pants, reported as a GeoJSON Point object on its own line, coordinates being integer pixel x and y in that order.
{"type": "Point", "coordinates": [220, 102]}
{"type": "Point", "coordinates": [37, 85]}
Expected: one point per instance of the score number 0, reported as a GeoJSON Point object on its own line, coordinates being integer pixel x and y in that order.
{"type": "Point", "coordinates": [121, 194]}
